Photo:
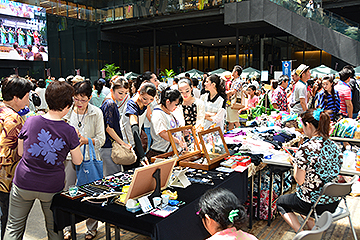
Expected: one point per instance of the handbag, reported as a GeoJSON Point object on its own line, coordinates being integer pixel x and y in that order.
{"type": "Point", "coordinates": [237, 101]}
{"type": "Point", "coordinates": [144, 140]}
{"type": "Point", "coordinates": [91, 170]}
{"type": "Point", "coordinates": [122, 155]}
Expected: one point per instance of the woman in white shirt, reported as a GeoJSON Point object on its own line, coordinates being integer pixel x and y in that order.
{"type": "Point", "coordinates": [214, 101]}
{"type": "Point", "coordinates": [192, 110]}
{"type": "Point", "coordinates": [88, 120]}
{"type": "Point", "coordinates": [162, 120]}
{"type": "Point", "coordinates": [40, 90]}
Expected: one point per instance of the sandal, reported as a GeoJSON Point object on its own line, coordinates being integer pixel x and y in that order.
{"type": "Point", "coordinates": [90, 234]}
{"type": "Point", "coordinates": [67, 235]}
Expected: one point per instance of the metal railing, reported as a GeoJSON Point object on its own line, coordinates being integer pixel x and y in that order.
{"type": "Point", "coordinates": [322, 16]}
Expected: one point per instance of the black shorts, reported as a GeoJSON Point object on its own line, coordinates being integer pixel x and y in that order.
{"type": "Point", "coordinates": [292, 203]}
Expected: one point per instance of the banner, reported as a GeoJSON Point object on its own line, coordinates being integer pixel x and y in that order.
{"type": "Point", "coordinates": [286, 68]}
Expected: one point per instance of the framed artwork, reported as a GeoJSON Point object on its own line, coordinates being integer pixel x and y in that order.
{"type": "Point", "coordinates": [213, 145]}
{"type": "Point", "coordinates": [187, 136]}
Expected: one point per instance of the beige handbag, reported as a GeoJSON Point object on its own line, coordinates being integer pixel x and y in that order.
{"type": "Point", "coordinates": [122, 155]}
{"type": "Point", "coordinates": [237, 101]}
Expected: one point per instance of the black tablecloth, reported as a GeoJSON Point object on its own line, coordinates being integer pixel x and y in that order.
{"type": "Point", "coordinates": [182, 224]}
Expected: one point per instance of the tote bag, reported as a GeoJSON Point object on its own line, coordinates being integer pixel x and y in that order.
{"type": "Point", "coordinates": [91, 170]}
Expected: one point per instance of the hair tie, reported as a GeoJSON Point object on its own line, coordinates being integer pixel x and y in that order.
{"type": "Point", "coordinates": [316, 113]}
{"type": "Point", "coordinates": [232, 214]}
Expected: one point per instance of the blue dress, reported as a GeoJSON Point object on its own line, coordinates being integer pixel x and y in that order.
{"type": "Point", "coordinates": [21, 39]}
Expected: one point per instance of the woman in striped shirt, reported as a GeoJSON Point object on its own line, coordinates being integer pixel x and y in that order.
{"type": "Point", "coordinates": [328, 98]}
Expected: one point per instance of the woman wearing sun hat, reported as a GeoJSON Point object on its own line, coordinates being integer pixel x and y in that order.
{"type": "Point", "coordinates": [299, 98]}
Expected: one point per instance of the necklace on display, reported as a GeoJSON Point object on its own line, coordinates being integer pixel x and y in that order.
{"type": "Point", "coordinates": [80, 124]}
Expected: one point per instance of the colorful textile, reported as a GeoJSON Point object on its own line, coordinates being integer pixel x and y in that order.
{"type": "Point", "coordinates": [10, 125]}
{"type": "Point", "coordinates": [322, 160]}
{"type": "Point", "coordinates": [345, 94]}
{"type": "Point", "coordinates": [279, 97]}
{"type": "Point", "coordinates": [232, 234]}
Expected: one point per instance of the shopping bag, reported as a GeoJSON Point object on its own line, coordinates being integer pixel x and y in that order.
{"type": "Point", "coordinates": [90, 170]}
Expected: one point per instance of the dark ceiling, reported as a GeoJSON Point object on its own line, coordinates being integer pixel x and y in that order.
{"type": "Point", "coordinates": [185, 27]}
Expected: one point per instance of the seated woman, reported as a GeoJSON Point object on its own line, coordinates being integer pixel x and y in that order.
{"type": "Point", "coordinates": [192, 110]}
{"type": "Point", "coordinates": [162, 120]}
{"type": "Point", "coordinates": [312, 164]}
{"type": "Point", "coordinates": [223, 215]}
{"type": "Point", "coordinates": [215, 101]}
{"type": "Point", "coordinates": [44, 143]}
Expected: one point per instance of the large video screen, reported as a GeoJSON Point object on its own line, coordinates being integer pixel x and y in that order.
{"type": "Point", "coordinates": [22, 32]}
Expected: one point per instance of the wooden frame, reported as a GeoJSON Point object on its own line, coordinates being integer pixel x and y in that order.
{"type": "Point", "coordinates": [220, 157]}
{"type": "Point", "coordinates": [173, 145]}
{"type": "Point", "coordinates": [143, 182]}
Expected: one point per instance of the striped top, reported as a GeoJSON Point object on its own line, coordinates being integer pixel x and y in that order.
{"type": "Point", "coordinates": [344, 94]}
{"type": "Point", "coordinates": [328, 102]}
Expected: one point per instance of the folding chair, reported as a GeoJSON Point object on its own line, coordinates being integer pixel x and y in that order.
{"type": "Point", "coordinates": [320, 227]}
{"type": "Point", "coordinates": [335, 190]}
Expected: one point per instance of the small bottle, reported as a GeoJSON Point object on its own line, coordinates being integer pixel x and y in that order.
{"type": "Point", "coordinates": [357, 166]}
{"type": "Point", "coordinates": [349, 159]}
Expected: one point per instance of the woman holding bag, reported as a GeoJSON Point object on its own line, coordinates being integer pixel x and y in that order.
{"type": "Point", "coordinates": [88, 122]}
{"type": "Point", "coordinates": [119, 90]}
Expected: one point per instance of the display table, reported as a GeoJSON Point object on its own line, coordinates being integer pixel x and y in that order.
{"type": "Point", "coordinates": [281, 165]}
{"type": "Point", "coordinates": [182, 224]}
{"type": "Point", "coordinates": [351, 141]}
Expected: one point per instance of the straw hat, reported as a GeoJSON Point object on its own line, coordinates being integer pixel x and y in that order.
{"type": "Point", "coordinates": [301, 69]}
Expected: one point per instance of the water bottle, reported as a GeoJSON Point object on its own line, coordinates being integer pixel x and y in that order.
{"type": "Point", "coordinates": [349, 159]}
{"type": "Point", "coordinates": [357, 166]}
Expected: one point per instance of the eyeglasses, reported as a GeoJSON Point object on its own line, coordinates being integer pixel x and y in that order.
{"type": "Point", "coordinates": [78, 100]}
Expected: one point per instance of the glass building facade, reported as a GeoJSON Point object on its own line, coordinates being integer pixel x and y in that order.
{"type": "Point", "coordinates": [76, 41]}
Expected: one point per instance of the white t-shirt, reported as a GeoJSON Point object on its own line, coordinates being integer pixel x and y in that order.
{"type": "Point", "coordinates": [147, 123]}
{"type": "Point", "coordinates": [300, 91]}
{"type": "Point", "coordinates": [214, 106]}
{"type": "Point", "coordinates": [196, 92]}
{"type": "Point", "coordinates": [105, 91]}
{"type": "Point", "coordinates": [161, 121]}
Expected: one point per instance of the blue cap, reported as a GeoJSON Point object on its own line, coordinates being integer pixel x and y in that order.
{"type": "Point", "coordinates": [102, 80]}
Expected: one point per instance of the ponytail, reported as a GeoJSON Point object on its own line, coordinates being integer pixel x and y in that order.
{"type": "Point", "coordinates": [324, 124]}
{"type": "Point", "coordinates": [320, 119]}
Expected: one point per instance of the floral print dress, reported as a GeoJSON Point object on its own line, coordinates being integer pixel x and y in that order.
{"type": "Point", "coordinates": [322, 160]}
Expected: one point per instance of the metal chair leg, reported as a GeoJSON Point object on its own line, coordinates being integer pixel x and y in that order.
{"type": "Point", "coordinates": [352, 228]}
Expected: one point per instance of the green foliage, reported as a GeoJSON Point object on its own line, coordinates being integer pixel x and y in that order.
{"type": "Point", "coordinates": [352, 32]}
{"type": "Point", "coordinates": [110, 71]}
{"type": "Point", "coordinates": [168, 73]}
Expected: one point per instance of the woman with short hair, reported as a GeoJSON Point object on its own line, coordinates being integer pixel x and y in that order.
{"type": "Point", "coordinates": [44, 142]}
{"type": "Point", "coordinates": [15, 93]}
{"type": "Point", "coordinates": [88, 120]}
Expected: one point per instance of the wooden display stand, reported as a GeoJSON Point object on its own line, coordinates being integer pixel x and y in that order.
{"type": "Point", "coordinates": [209, 150]}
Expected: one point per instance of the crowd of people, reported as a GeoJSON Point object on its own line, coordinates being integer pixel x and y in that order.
{"type": "Point", "coordinates": [39, 155]}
